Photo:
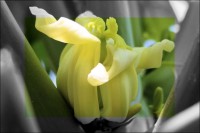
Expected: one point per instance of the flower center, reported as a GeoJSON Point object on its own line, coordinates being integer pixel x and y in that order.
{"type": "Point", "coordinates": [96, 27]}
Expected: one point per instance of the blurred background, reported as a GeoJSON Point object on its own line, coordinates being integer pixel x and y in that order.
{"type": "Point", "coordinates": [29, 62]}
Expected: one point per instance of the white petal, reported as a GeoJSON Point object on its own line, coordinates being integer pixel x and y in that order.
{"type": "Point", "coordinates": [98, 75]}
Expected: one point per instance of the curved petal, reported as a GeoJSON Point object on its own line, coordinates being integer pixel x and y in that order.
{"type": "Point", "coordinates": [75, 64]}
{"type": "Point", "coordinates": [122, 59]}
{"type": "Point", "coordinates": [117, 95]}
{"type": "Point", "coordinates": [151, 57]}
{"type": "Point", "coordinates": [63, 30]}
{"type": "Point", "coordinates": [112, 26]}
{"type": "Point", "coordinates": [117, 60]}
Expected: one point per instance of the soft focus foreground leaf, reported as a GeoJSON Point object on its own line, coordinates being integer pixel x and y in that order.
{"type": "Point", "coordinates": [50, 109]}
{"type": "Point", "coordinates": [13, 93]}
{"type": "Point", "coordinates": [189, 31]}
{"type": "Point", "coordinates": [40, 86]}
{"type": "Point", "coordinates": [35, 76]}
{"type": "Point", "coordinates": [187, 88]}
{"type": "Point", "coordinates": [47, 101]}
{"type": "Point", "coordinates": [187, 59]}
{"type": "Point", "coordinates": [185, 121]}
{"type": "Point", "coordinates": [166, 112]}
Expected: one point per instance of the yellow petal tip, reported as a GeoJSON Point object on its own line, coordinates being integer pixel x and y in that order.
{"type": "Point", "coordinates": [168, 45]}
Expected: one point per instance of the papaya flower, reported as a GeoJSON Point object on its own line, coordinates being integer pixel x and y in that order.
{"type": "Point", "coordinates": [98, 71]}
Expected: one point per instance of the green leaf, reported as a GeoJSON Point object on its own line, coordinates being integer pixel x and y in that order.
{"type": "Point", "coordinates": [168, 109]}
{"type": "Point", "coordinates": [45, 98]}
{"type": "Point", "coordinates": [163, 77]}
{"type": "Point", "coordinates": [137, 31]}
{"type": "Point", "coordinates": [43, 55]}
{"type": "Point", "coordinates": [51, 111]}
{"type": "Point", "coordinates": [125, 30]}
{"type": "Point", "coordinates": [158, 100]}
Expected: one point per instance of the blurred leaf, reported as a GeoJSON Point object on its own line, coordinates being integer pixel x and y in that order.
{"type": "Point", "coordinates": [157, 28]}
{"type": "Point", "coordinates": [137, 31]}
{"type": "Point", "coordinates": [187, 88]}
{"type": "Point", "coordinates": [136, 16]}
{"type": "Point", "coordinates": [131, 31]}
{"type": "Point", "coordinates": [156, 9]}
{"type": "Point", "coordinates": [142, 29]}
{"type": "Point", "coordinates": [163, 77]}
{"type": "Point", "coordinates": [167, 111]}
{"type": "Point", "coordinates": [125, 30]}
{"type": "Point", "coordinates": [51, 111]}
{"type": "Point", "coordinates": [185, 121]}
{"type": "Point", "coordinates": [41, 52]}
{"type": "Point", "coordinates": [187, 69]}
{"type": "Point", "coordinates": [158, 100]}
{"type": "Point", "coordinates": [157, 17]}
{"type": "Point", "coordinates": [189, 31]}
{"type": "Point", "coordinates": [41, 88]}
{"type": "Point", "coordinates": [111, 8]}
{"type": "Point", "coordinates": [13, 94]}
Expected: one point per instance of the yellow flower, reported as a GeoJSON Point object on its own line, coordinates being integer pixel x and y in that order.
{"type": "Point", "coordinates": [97, 72]}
